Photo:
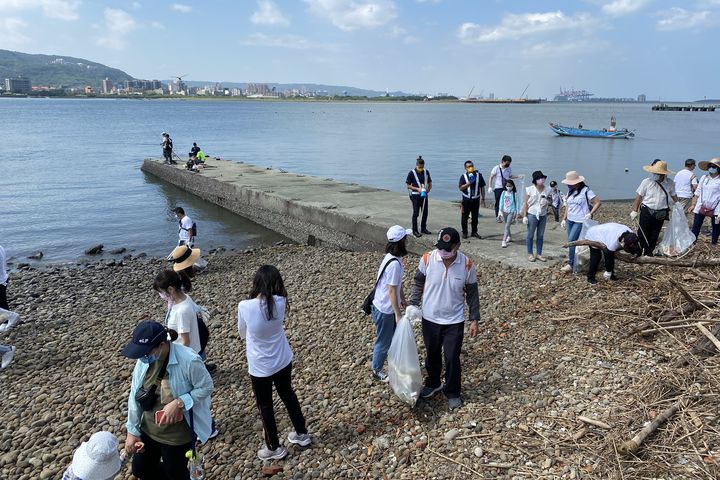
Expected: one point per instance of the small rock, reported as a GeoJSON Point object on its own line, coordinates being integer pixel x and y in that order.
{"type": "Point", "coordinates": [271, 470]}
{"type": "Point", "coordinates": [94, 250]}
{"type": "Point", "coordinates": [451, 434]}
{"type": "Point", "coordinates": [478, 452]}
{"type": "Point", "coordinates": [360, 428]}
{"type": "Point", "coordinates": [118, 251]}
{"type": "Point", "coordinates": [36, 256]}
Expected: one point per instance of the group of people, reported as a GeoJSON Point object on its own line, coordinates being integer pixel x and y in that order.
{"type": "Point", "coordinates": [196, 157]}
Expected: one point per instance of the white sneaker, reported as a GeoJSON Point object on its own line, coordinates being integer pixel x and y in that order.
{"type": "Point", "coordinates": [266, 454]}
{"type": "Point", "coordinates": [7, 357]}
{"type": "Point", "coordinates": [302, 439]}
{"type": "Point", "coordinates": [504, 244]}
{"type": "Point", "coordinates": [607, 275]}
{"type": "Point", "coordinates": [509, 239]}
{"type": "Point", "coordinates": [567, 268]}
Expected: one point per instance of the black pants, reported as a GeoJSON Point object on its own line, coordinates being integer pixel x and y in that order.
{"type": "Point", "coordinates": [556, 213]}
{"type": "Point", "coordinates": [419, 203]}
{"type": "Point", "coordinates": [3, 297]}
{"type": "Point", "coordinates": [167, 153]}
{"type": "Point", "coordinates": [595, 254]}
{"type": "Point", "coordinates": [439, 340]}
{"type": "Point", "coordinates": [698, 221]}
{"type": "Point", "coordinates": [262, 386]}
{"type": "Point", "coordinates": [147, 465]}
{"type": "Point", "coordinates": [650, 227]}
{"type": "Point", "coordinates": [470, 206]}
{"type": "Point", "coordinates": [497, 192]}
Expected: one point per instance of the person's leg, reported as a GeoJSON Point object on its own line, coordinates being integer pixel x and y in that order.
{"type": "Point", "coordinates": [595, 255]}
{"type": "Point", "coordinates": [609, 261]}
{"type": "Point", "coordinates": [531, 228]}
{"type": "Point", "coordinates": [262, 387]}
{"type": "Point", "coordinates": [414, 200]}
{"type": "Point", "coordinates": [540, 234]}
{"type": "Point", "coordinates": [645, 231]}
{"type": "Point", "coordinates": [425, 209]}
{"type": "Point", "coordinates": [556, 213]}
{"type": "Point", "coordinates": [464, 213]}
{"type": "Point", "coordinates": [3, 297]}
{"type": "Point", "coordinates": [432, 336]}
{"type": "Point", "coordinates": [283, 385]}
{"type": "Point", "coordinates": [697, 224]}
{"type": "Point", "coordinates": [475, 212]}
{"type": "Point", "coordinates": [452, 344]}
{"type": "Point", "coordinates": [147, 463]}
{"type": "Point", "coordinates": [508, 221]}
{"type": "Point", "coordinates": [174, 462]}
{"type": "Point", "coordinates": [497, 192]}
{"type": "Point", "coordinates": [384, 328]}
{"type": "Point", "coordinates": [715, 230]}
{"type": "Point", "coordinates": [573, 233]}
{"type": "Point", "coordinates": [655, 229]}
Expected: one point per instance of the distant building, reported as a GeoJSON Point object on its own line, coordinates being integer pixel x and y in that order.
{"type": "Point", "coordinates": [642, 98]}
{"type": "Point", "coordinates": [107, 86]}
{"type": "Point", "coordinates": [491, 96]}
{"type": "Point", "coordinates": [89, 90]}
{"type": "Point", "coordinates": [18, 85]}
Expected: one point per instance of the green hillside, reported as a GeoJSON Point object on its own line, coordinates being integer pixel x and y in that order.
{"type": "Point", "coordinates": [57, 70]}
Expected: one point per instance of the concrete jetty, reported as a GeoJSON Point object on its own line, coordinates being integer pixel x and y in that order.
{"type": "Point", "coordinates": [355, 217]}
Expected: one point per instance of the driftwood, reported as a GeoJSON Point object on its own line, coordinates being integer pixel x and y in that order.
{"type": "Point", "coordinates": [632, 445]}
{"type": "Point", "coordinates": [713, 339]}
{"type": "Point", "coordinates": [669, 262]}
{"type": "Point", "coordinates": [597, 423]}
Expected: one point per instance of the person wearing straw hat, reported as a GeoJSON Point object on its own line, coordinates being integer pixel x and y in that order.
{"type": "Point", "coordinates": [96, 459]}
{"type": "Point", "coordinates": [653, 204]}
{"type": "Point", "coordinates": [706, 202]}
{"type": "Point", "coordinates": [580, 205]}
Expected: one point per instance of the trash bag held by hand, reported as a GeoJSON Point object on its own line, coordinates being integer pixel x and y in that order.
{"type": "Point", "coordinates": [678, 238]}
{"type": "Point", "coordinates": [8, 319]}
{"type": "Point", "coordinates": [582, 254]}
{"type": "Point", "coordinates": [403, 363]}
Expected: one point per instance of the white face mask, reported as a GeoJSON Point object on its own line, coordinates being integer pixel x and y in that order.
{"type": "Point", "coordinates": [509, 189]}
{"type": "Point", "coordinates": [655, 177]}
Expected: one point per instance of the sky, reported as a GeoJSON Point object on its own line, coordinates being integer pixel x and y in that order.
{"type": "Point", "coordinates": [613, 48]}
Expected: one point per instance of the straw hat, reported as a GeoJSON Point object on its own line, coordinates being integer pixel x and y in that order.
{"type": "Point", "coordinates": [705, 165]}
{"type": "Point", "coordinates": [183, 257]}
{"type": "Point", "coordinates": [97, 458]}
{"type": "Point", "coordinates": [659, 167]}
{"type": "Point", "coordinates": [572, 178]}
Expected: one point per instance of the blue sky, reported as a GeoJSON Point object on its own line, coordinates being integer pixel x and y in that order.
{"type": "Point", "coordinates": [663, 48]}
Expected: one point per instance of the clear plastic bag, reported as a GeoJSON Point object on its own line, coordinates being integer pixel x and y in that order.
{"type": "Point", "coordinates": [403, 363]}
{"type": "Point", "coordinates": [10, 317]}
{"type": "Point", "coordinates": [678, 238]}
{"type": "Point", "coordinates": [582, 254]}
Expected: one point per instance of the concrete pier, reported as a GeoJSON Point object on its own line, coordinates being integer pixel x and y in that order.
{"type": "Point", "coordinates": [321, 211]}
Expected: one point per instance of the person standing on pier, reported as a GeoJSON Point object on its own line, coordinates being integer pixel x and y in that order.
{"type": "Point", "coordinates": [419, 184]}
{"type": "Point", "coordinates": [472, 186]}
{"type": "Point", "coordinates": [445, 279]}
{"type": "Point", "coordinates": [685, 183]}
{"type": "Point", "coordinates": [3, 280]}
{"type": "Point", "coordinates": [187, 228]}
{"type": "Point", "coordinates": [499, 176]}
{"type": "Point", "coordinates": [167, 147]}
{"type": "Point", "coordinates": [653, 204]}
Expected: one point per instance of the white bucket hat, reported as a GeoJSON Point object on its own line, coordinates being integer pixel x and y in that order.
{"type": "Point", "coordinates": [98, 458]}
{"type": "Point", "coordinates": [397, 233]}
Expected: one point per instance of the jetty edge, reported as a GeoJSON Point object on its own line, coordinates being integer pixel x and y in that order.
{"type": "Point", "coordinates": [322, 211]}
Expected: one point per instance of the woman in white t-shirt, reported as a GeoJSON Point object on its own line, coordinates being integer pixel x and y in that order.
{"type": "Point", "coordinates": [604, 240]}
{"type": "Point", "coordinates": [182, 315]}
{"type": "Point", "coordinates": [535, 215]}
{"type": "Point", "coordinates": [580, 205]}
{"type": "Point", "coordinates": [389, 297]}
{"type": "Point", "coordinates": [269, 358]}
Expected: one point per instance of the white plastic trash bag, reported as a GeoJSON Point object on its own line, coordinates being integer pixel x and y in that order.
{"type": "Point", "coordinates": [582, 254]}
{"type": "Point", "coordinates": [403, 363]}
{"type": "Point", "coordinates": [8, 319]}
{"type": "Point", "coordinates": [678, 238]}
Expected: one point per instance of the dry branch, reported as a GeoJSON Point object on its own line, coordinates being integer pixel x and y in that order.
{"type": "Point", "coordinates": [632, 445]}
{"type": "Point", "coordinates": [597, 423]}
{"type": "Point", "coordinates": [697, 262]}
{"type": "Point", "coordinates": [709, 335]}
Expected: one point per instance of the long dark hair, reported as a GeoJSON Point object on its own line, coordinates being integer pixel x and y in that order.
{"type": "Point", "coordinates": [510, 182]}
{"type": "Point", "coordinates": [266, 283]}
{"type": "Point", "coordinates": [397, 249]}
{"type": "Point", "coordinates": [171, 278]}
{"type": "Point", "coordinates": [574, 190]}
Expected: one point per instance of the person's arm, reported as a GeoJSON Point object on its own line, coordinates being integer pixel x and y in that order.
{"type": "Point", "coordinates": [588, 243]}
{"type": "Point", "coordinates": [491, 180]}
{"type": "Point", "coordinates": [134, 413]}
{"type": "Point", "coordinates": [202, 387]}
{"type": "Point", "coordinates": [242, 326]}
{"type": "Point", "coordinates": [525, 206]}
{"type": "Point", "coordinates": [472, 297]}
{"type": "Point", "coordinates": [595, 202]}
{"type": "Point", "coordinates": [693, 184]}
{"type": "Point", "coordinates": [636, 206]}
{"type": "Point", "coordinates": [428, 181]}
{"type": "Point", "coordinates": [393, 293]}
{"type": "Point", "coordinates": [184, 339]}
{"type": "Point", "coordinates": [463, 186]}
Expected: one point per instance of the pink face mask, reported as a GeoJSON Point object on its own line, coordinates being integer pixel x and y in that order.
{"type": "Point", "coordinates": [164, 296]}
{"type": "Point", "coordinates": [540, 181]}
{"type": "Point", "coordinates": [445, 255]}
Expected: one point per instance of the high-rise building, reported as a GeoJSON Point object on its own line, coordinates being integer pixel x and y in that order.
{"type": "Point", "coordinates": [107, 86]}
{"type": "Point", "coordinates": [18, 85]}
{"type": "Point", "coordinates": [642, 98]}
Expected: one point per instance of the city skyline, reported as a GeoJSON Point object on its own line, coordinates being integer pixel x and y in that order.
{"type": "Point", "coordinates": [614, 48]}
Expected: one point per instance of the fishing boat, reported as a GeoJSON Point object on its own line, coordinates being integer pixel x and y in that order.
{"type": "Point", "coordinates": [611, 132]}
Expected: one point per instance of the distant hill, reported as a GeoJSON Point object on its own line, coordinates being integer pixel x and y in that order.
{"type": "Point", "coordinates": [331, 89]}
{"type": "Point", "coordinates": [57, 70]}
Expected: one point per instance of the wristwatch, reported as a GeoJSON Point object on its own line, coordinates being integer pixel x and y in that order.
{"type": "Point", "coordinates": [180, 403]}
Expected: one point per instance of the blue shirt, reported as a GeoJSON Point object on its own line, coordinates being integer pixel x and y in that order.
{"type": "Point", "coordinates": [189, 381]}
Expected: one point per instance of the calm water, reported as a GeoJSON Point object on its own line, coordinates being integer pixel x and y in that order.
{"type": "Point", "coordinates": [72, 178]}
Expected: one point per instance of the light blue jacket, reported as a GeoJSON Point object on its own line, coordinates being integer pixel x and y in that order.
{"type": "Point", "coordinates": [189, 381]}
{"type": "Point", "coordinates": [513, 204]}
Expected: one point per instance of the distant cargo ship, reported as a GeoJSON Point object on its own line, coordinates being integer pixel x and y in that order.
{"type": "Point", "coordinates": [500, 100]}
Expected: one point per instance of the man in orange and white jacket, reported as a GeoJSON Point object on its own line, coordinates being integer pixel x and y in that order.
{"type": "Point", "coordinates": [444, 280]}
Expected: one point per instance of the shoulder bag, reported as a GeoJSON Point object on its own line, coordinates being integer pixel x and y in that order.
{"type": "Point", "coordinates": [367, 303]}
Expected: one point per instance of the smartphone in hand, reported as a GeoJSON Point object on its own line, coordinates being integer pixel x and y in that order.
{"type": "Point", "coordinates": [159, 415]}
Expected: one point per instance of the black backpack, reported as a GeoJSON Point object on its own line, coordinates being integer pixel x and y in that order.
{"type": "Point", "coordinates": [203, 330]}
{"type": "Point", "coordinates": [194, 229]}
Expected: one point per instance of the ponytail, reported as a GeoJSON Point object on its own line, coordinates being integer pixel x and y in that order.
{"type": "Point", "coordinates": [172, 334]}
{"type": "Point", "coordinates": [171, 278]}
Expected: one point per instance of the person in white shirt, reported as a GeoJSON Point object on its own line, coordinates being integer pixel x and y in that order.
{"type": "Point", "coordinates": [389, 297]}
{"type": "Point", "coordinates": [580, 205]}
{"type": "Point", "coordinates": [269, 358]}
{"type": "Point", "coordinates": [653, 203]}
{"type": "Point", "coordinates": [706, 202]}
{"type": "Point", "coordinates": [535, 215]}
{"type": "Point", "coordinates": [604, 240]}
{"type": "Point", "coordinates": [3, 280]}
{"type": "Point", "coordinates": [182, 315]}
{"type": "Point", "coordinates": [186, 227]}
{"type": "Point", "coordinates": [499, 176]}
{"type": "Point", "coordinates": [686, 183]}
{"type": "Point", "coordinates": [444, 280]}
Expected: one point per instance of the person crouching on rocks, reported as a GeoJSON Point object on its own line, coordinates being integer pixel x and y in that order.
{"type": "Point", "coordinates": [168, 405]}
{"type": "Point", "coordinates": [96, 459]}
{"type": "Point", "coordinates": [389, 298]}
{"type": "Point", "coordinates": [604, 240]}
{"type": "Point", "coordinates": [444, 280]}
{"type": "Point", "coordinates": [269, 358]}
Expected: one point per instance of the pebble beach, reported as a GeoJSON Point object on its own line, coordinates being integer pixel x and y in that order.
{"type": "Point", "coordinates": [550, 350]}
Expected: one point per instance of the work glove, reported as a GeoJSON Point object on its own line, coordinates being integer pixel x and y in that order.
{"type": "Point", "coordinates": [588, 216]}
{"type": "Point", "coordinates": [525, 220]}
{"type": "Point", "coordinates": [563, 225]}
{"type": "Point", "coordinates": [500, 216]}
{"type": "Point", "coordinates": [633, 215]}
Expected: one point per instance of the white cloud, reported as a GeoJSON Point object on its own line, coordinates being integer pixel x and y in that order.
{"type": "Point", "coordinates": [118, 23]}
{"type": "Point", "coordinates": [11, 32]}
{"type": "Point", "coordinates": [136, 5]}
{"type": "Point", "coordinates": [514, 26]}
{"type": "Point", "coordinates": [269, 13]}
{"type": "Point", "coordinates": [624, 7]}
{"type": "Point", "coordinates": [182, 8]}
{"type": "Point", "coordinates": [294, 42]}
{"type": "Point", "coordinates": [680, 19]}
{"type": "Point", "coordinates": [564, 50]}
{"type": "Point", "coordinates": [60, 9]}
{"type": "Point", "coordinates": [350, 15]}
{"type": "Point", "coordinates": [157, 25]}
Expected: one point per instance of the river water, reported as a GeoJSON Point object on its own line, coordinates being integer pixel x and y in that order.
{"type": "Point", "coordinates": [72, 167]}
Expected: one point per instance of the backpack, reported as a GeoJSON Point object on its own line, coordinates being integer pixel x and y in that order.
{"type": "Point", "coordinates": [194, 230]}
{"type": "Point", "coordinates": [203, 316]}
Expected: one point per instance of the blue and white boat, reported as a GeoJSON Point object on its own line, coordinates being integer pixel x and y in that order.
{"type": "Point", "coordinates": [611, 132]}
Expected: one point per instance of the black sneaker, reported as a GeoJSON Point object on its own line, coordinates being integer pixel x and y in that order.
{"type": "Point", "coordinates": [380, 375]}
{"type": "Point", "coordinates": [428, 392]}
{"type": "Point", "coordinates": [476, 235]}
{"type": "Point", "coordinates": [465, 236]}
{"type": "Point", "coordinates": [416, 234]}
{"type": "Point", "coordinates": [426, 231]}
{"type": "Point", "coordinates": [592, 281]}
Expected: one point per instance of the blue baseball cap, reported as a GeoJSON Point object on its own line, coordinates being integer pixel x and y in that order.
{"type": "Point", "coordinates": [146, 336]}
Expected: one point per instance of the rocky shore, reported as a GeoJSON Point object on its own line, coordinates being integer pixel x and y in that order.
{"type": "Point", "coordinates": [551, 350]}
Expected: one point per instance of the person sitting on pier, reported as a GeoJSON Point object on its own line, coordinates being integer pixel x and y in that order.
{"type": "Point", "coordinates": [419, 184]}
{"type": "Point", "coordinates": [194, 150]}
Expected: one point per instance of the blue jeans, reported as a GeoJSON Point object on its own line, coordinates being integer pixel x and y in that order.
{"type": "Point", "coordinates": [385, 328]}
{"type": "Point", "coordinates": [573, 233]}
{"type": "Point", "coordinates": [698, 221]}
{"type": "Point", "coordinates": [535, 226]}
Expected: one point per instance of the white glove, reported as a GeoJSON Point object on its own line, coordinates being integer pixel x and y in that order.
{"type": "Point", "coordinates": [500, 216]}
{"type": "Point", "coordinates": [563, 225]}
{"type": "Point", "coordinates": [525, 220]}
{"type": "Point", "coordinates": [588, 216]}
{"type": "Point", "coordinates": [633, 215]}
